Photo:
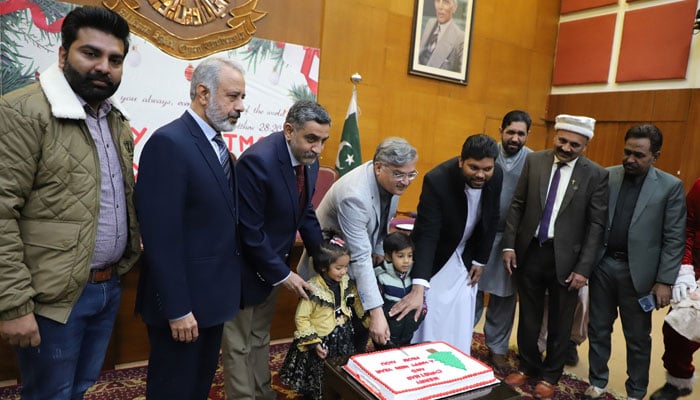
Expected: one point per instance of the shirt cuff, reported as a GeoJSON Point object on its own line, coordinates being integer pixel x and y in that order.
{"type": "Point", "coordinates": [285, 278]}
{"type": "Point", "coordinates": [180, 318]}
{"type": "Point", "coordinates": [421, 282]}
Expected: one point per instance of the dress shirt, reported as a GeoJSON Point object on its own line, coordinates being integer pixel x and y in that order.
{"type": "Point", "coordinates": [624, 209]}
{"type": "Point", "coordinates": [565, 177]}
{"type": "Point", "coordinates": [208, 131]}
{"type": "Point", "coordinates": [110, 240]}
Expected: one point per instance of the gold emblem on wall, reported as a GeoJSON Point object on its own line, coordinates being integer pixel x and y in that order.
{"type": "Point", "coordinates": [190, 29]}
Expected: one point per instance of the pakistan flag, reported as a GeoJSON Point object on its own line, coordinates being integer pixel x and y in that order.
{"type": "Point", "coordinates": [349, 155]}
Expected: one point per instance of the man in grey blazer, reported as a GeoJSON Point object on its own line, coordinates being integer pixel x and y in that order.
{"type": "Point", "coordinates": [644, 245]}
{"type": "Point", "coordinates": [360, 205]}
{"type": "Point", "coordinates": [442, 41]}
{"type": "Point", "coordinates": [555, 228]}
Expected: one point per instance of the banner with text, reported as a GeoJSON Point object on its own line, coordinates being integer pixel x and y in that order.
{"type": "Point", "coordinates": [155, 86]}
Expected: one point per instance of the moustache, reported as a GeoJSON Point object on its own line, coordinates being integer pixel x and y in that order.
{"type": "Point", "coordinates": [100, 77]}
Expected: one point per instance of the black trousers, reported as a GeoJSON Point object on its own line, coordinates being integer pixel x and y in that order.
{"type": "Point", "coordinates": [536, 275]}
{"type": "Point", "coordinates": [178, 370]}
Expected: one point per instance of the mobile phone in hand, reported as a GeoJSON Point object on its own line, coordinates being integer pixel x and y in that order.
{"type": "Point", "coordinates": [648, 302]}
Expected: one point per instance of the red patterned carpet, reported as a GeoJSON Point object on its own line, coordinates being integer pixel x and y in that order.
{"type": "Point", "coordinates": [130, 383]}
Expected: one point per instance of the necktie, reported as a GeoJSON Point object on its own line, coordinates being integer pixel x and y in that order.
{"type": "Point", "coordinates": [224, 156]}
{"type": "Point", "coordinates": [299, 169]}
{"type": "Point", "coordinates": [543, 234]}
{"type": "Point", "coordinates": [434, 39]}
{"type": "Point", "coordinates": [430, 46]}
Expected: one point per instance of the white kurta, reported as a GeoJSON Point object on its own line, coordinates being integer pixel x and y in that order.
{"type": "Point", "coordinates": [450, 299]}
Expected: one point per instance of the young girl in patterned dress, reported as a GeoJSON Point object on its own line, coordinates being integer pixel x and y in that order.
{"type": "Point", "coordinates": [323, 326]}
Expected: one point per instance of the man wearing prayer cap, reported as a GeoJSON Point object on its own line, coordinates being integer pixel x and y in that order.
{"type": "Point", "coordinates": [554, 231]}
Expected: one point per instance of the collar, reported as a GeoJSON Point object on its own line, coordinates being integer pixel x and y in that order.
{"type": "Point", "coordinates": [209, 132]}
{"type": "Point", "coordinates": [291, 156]}
{"type": "Point", "coordinates": [102, 110]}
{"type": "Point", "coordinates": [445, 25]}
{"type": "Point", "coordinates": [635, 179]}
{"type": "Point", "coordinates": [64, 102]}
{"type": "Point", "coordinates": [571, 163]}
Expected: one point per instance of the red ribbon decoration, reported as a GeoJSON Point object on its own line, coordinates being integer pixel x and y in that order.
{"type": "Point", "coordinates": [309, 54]}
{"type": "Point", "coordinates": [38, 16]}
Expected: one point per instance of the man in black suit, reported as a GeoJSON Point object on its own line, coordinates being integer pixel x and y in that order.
{"type": "Point", "coordinates": [555, 228]}
{"type": "Point", "coordinates": [185, 199]}
{"type": "Point", "coordinates": [277, 176]}
{"type": "Point", "coordinates": [453, 233]}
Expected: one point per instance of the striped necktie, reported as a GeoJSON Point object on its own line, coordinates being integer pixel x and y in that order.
{"type": "Point", "coordinates": [224, 156]}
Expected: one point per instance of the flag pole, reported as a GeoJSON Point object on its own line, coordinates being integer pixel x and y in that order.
{"type": "Point", "coordinates": [355, 79]}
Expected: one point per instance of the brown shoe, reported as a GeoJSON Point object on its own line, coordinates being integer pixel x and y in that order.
{"type": "Point", "coordinates": [516, 378]}
{"type": "Point", "coordinates": [544, 390]}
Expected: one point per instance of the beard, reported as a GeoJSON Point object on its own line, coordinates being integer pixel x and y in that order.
{"type": "Point", "coordinates": [512, 148]}
{"type": "Point", "coordinates": [85, 87]}
{"type": "Point", "coordinates": [220, 120]}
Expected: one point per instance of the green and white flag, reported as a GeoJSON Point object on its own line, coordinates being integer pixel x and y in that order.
{"type": "Point", "coordinates": [349, 154]}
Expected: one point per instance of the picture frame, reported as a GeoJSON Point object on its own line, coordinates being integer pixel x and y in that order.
{"type": "Point", "coordinates": [441, 39]}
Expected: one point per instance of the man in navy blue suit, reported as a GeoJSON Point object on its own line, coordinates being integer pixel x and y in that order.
{"type": "Point", "coordinates": [276, 177]}
{"type": "Point", "coordinates": [187, 209]}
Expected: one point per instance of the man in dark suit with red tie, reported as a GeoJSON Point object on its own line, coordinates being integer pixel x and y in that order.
{"type": "Point", "coordinates": [190, 283]}
{"type": "Point", "coordinates": [554, 232]}
{"type": "Point", "coordinates": [277, 177]}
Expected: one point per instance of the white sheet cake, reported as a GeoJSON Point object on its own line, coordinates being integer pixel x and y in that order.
{"type": "Point", "coordinates": [424, 371]}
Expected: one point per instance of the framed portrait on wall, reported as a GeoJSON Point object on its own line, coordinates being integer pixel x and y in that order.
{"type": "Point", "coordinates": [441, 39]}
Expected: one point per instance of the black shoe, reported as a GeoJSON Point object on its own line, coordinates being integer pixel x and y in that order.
{"type": "Point", "coordinates": [571, 355]}
{"type": "Point", "coordinates": [669, 392]}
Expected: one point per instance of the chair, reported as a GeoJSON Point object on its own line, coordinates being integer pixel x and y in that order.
{"type": "Point", "coordinates": [402, 221]}
{"type": "Point", "coordinates": [326, 178]}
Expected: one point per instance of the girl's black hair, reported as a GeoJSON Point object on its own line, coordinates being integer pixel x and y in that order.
{"type": "Point", "coordinates": [332, 248]}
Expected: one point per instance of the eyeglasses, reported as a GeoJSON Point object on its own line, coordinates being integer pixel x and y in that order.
{"type": "Point", "coordinates": [399, 176]}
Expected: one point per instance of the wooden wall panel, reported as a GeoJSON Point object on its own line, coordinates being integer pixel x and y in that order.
{"type": "Point", "coordinates": [690, 152]}
{"type": "Point", "coordinates": [618, 106]}
{"type": "Point", "coordinates": [675, 112]}
{"type": "Point", "coordinates": [510, 67]}
{"type": "Point", "coordinates": [290, 21]}
{"type": "Point", "coordinates": [671, 105]}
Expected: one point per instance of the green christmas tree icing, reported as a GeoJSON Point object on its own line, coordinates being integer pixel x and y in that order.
{"type": "Point", "coordinates": [447, 358]}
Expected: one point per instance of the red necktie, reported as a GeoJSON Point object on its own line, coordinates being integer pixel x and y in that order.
{"type": "Point", "coordinates": [299, 169]}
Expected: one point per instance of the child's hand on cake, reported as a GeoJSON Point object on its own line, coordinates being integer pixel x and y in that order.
{"type": "Point", "coordinates": [321, 351]}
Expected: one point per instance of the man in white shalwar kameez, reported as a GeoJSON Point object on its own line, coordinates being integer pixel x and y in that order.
{"type": "Point", "coordinates": [455, 227]}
